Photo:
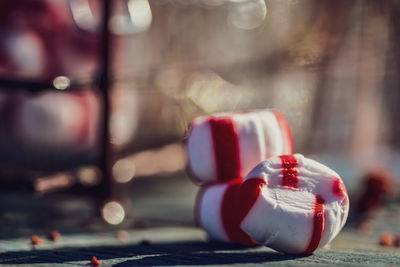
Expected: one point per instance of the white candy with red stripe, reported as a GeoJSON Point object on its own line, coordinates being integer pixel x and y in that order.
{"type": "Point", "coordinates": [208, 211]}
{"type": "Point", "coordinates": [226, 146]}
{"type": "Point", "coordinates": [299, 204]}
{"type": "Point", "coordinates": [219, 212]}
{"type": "Point", "coordinates": [55, 120]}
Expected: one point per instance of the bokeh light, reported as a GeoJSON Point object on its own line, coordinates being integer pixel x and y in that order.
{"type": "Point", "coordinates": [113, 213]}
{"type": "Point", "coordinates": [61, 82]}
{"type": "Point", "coordinates": [88, 176]}
{"type": "Point", "coordinates": [123, 170]}
{"type": "Point", "coordinates": [247, 14]}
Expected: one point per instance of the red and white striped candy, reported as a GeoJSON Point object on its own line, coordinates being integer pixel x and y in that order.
{"type": "Point", "coordinates": [226, 146]}
{"type": "Point", "coordinates": [299, 204]}
{"type": "Point", "coordinates": [54, 120]}
{"type": "Point", "coordinates": [219, 211]}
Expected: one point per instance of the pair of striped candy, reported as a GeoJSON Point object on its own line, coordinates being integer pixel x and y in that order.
{"type": "Point", "coordinates": [289, 203]}
{"type": "Point", "coordinates": [221, 150]}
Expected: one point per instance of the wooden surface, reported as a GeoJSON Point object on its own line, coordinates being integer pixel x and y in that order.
{"type": "Point", "coordinates": [161, 233]}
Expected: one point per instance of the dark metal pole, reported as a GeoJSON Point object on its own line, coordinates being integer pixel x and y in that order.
{"type": "Point", "coordinates": [104, 86]}
{"type": "Point", "coordinates": [11, 84]}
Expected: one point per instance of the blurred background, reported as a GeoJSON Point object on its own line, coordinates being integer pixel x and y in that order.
{"type": "Point", "coordinates": [330, 66]}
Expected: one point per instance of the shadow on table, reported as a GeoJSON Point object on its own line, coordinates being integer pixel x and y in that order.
{"type": "Point", "coordinates": [165, 254]}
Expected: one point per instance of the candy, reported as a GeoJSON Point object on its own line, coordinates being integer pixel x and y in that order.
{"type": "Point", "coordinates": [219, 211]}
{"type": "Point", "coordinates": [54, 120]}
{"type": "Point", "coordinates": [300, 205]}
{"type": "Point", "coordinates": [226, 146]}
{"type": "Point", "coordinates": [51, 121]}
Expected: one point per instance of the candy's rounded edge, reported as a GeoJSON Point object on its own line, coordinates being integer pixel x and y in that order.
{"type": "Point", "coordinates": [286, 131]}
{"type": "Point", "coordinates": [93, 118]}
{"type": "Point", "coordinates": [83, 98]}
{"type": "Point", "coordinates": [192, 176]}
{"type": "Point", "coordinates": [224, 237]}
{"type": "Point", "coordinates": [197, 206]}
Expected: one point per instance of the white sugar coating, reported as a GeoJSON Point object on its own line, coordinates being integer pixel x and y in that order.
{"type": "Point", "coordinates": [259, 137]}
{"type": "Point", "coordinates": [272, 134]}
{"type": "Point", "coordinates": [209, 211]}
{"type": "Point", "coordinates": [200, 150]}
{"type": "Point", "coordinates": [251, 140]}
{"type": "Point", "coordinates": [282, 217]}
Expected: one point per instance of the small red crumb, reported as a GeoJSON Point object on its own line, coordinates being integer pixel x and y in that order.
{"type": "Point", "coordinates": [123, 236]}
{"type": "Point", "coordinates": [95, 261]}
{"type": "Point", "coordinates": [397, 241]}
{"type": "Point", "coordinates": [386, 239]}
{"type": "Point", "coordinates": [54, 236]}
{"type": "Point", "coordinates": [36, 240]}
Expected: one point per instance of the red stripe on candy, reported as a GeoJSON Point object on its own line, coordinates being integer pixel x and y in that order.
{"type": "Point", "coordinates": [318, 225]}
{"type": "Point", "coordinates": [286, 132]}
{"type": "Point", "coordinates": [236, 204]}
{"type": "Point", "coordinates": [338, 188]}
{"type": "Point", "coordinates": [226, 148]}
{"type": "Point", "coordinates": [289, 172]}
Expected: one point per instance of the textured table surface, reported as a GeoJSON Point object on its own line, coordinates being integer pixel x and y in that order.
{"type": "Point", "coordinates": [172, 246]}
{"type": "Point", "coordinates": [161, 232]}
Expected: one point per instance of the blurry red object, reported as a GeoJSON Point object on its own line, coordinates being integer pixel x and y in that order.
{"type": "Point", "coordinates": [54, 236]}
{"type": "Point", "coordinates": [378, 185]}
{"type": "Point", "coordinates": [39, 38]}
{"type": "Point", "coordinates": [397, 241]}
{"type": "Point", "coordinates": [386, 239]}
